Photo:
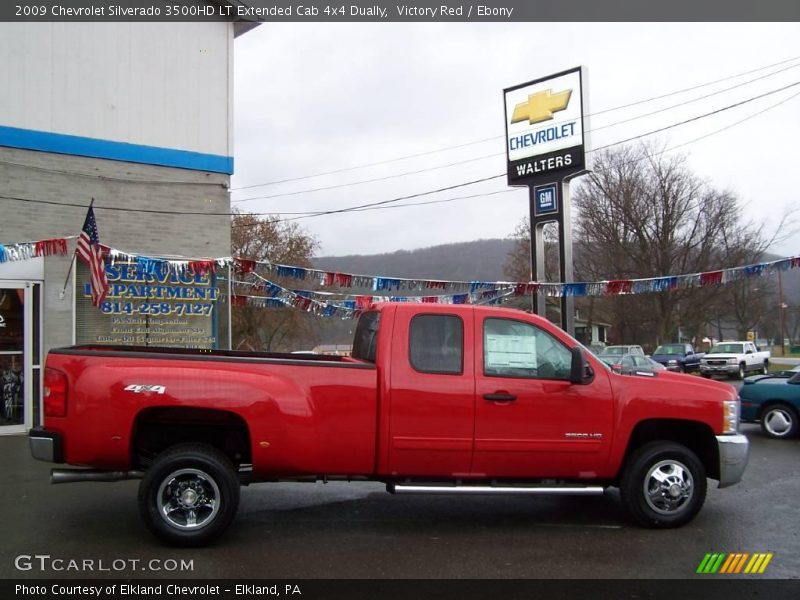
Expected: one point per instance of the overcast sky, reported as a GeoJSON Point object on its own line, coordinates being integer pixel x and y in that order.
{"type": "Point", "coordinates": [311, 98]}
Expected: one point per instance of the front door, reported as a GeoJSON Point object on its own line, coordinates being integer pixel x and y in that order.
{"type": "Point", "coordinates": [13, 385]}
{"type": "Point", "coordinates": [530, 421]}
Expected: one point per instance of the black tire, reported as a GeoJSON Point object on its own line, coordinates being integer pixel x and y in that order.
{"type": "Point", "coordinates": [674, 501]}
{"type": "Point", "coordinates": [765, 368]}
{"type": "Point", "coordinates": [705, 375]}
{"type": "Point", "coordinates": [742, 371]}
{"type": "Point", "coordinates": [779, 421]}
{"type": "Point", "coordinates": [209, 488]}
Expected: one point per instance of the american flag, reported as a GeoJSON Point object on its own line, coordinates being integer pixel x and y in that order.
{"type": "Point", "coordinates": [89, 251]}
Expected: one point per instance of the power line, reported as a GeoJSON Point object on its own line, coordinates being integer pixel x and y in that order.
{"type": "Point", "coordinates": [371, 207]}
{"type": "Point", "coordinates": [696, 87]}
{"type": "Point", "coordinates": [117, 208]}
{"type": "Point", "coordinates": [693, 100]}
{"type": "Point", "coordinates": [385, 202]}
{"type": "Point", "coordinates": [703, 116]}
{"type": "Point", "coordinates": [496, 137]}
{"type": "Point", "coordinates": [366, 165]}
{"type": "Point", "coordinates": [352, 183]}
{"type": "Point", "coordinates": [379, 205]}
{"type": "Point", "coordinates": [498, 154]}
{"type": "Point", "coordinates": [410, 196]}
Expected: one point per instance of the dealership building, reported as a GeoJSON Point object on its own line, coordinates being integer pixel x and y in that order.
{"type": "Point", "coordinates": [138, 118]}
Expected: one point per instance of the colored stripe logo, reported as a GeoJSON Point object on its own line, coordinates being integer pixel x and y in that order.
{"type": "Point", "coordinates": [734, 563]}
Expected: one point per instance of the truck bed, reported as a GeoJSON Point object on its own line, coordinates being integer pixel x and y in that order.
{"type": "Point", "coordinates": [316, 414]}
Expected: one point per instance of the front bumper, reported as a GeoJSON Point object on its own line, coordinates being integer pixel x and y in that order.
{"type": "Point", "coordinates": [727, 369]}
{"type": "Point", "coordinates": [734, 450]}
{"type": "Point", "coordinates": [46, 445]}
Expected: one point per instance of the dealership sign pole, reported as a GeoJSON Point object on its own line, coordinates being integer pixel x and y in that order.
{"type": "Point", "coordinates": [545, 140]}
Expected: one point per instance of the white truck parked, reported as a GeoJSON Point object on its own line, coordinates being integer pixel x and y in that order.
{"type": "Point", "coordinates": [734, 359]}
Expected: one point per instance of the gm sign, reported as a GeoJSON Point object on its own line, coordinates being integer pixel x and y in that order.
{"type": "Point", "coordinates": [545, 199]}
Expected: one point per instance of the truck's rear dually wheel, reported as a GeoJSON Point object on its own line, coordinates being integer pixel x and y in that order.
{"type": "Point", "coordinates": [190, 495]}
{"type": "Point", "coordinates": [663, 485]}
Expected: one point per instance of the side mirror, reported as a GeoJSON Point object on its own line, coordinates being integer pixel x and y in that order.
{"type": "Point", "coordinates": [580, 372]}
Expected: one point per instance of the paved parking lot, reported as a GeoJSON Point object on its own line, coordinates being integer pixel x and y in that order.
{"type": "Point", "coordinates": [359, 531]}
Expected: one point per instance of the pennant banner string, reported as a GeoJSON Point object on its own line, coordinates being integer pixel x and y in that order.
{"type": "Point", "coordinates": [394, 287]}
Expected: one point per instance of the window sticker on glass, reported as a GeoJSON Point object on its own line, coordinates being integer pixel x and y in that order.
{"type": "Point", "coordinates": [511, 351]}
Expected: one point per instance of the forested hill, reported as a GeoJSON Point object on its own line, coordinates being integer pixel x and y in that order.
{"type": "Point", "coordinates": [482, 260]}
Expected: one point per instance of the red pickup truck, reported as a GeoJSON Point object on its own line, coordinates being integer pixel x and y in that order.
{"type": "Point", "coordinates": [435, 399]}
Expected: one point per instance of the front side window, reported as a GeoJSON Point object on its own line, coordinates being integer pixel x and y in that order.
{"type": "Point", "coordinates": [516, 349]}
{"type": "Point", "coordinates": [436, 344]}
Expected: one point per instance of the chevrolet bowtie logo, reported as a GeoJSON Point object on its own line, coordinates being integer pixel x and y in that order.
{"type": "Point", "coordinates": [541, 106]}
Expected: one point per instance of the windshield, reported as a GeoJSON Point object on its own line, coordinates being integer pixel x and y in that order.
{"type": "Point", "coordinates": [727, 349]}
{"type": "Point", "coordinates": [670, 349]}
{"type": "Point", "coordinates": [615, 350]}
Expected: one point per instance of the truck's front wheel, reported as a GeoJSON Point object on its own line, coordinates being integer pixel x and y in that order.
{"type": "Point", "coordinates": [190, 495]}
{"type": "Point", "coordinates": [663, 485]}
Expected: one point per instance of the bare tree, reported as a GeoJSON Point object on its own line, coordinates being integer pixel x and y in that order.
{"type": "Point", "coordinates": [643, 214]}
{"type": "Point", "coordinates": [279, 242]}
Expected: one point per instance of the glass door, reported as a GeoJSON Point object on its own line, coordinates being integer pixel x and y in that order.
{"type": "Point", "coordinates": [14, 371]}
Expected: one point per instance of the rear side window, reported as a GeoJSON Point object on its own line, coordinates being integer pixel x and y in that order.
{"type": "Point", "coordinates": [436, 344]}
{"type": "Point", "coordinates": [366, 337]}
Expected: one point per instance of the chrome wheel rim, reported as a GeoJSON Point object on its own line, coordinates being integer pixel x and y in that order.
{"type": "Point", "coordinates": [188, 499]}
{"type": "Point", "coordinates": [668, 487]}
{"type": "Point", "coordinates": [778, 422]}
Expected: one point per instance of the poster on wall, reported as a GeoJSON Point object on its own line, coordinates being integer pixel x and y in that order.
{"type": "Point", "coordinates": [176, 310]}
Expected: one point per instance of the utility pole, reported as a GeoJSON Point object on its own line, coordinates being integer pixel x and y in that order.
{"type": "Point", "coordinates": [781, 307]}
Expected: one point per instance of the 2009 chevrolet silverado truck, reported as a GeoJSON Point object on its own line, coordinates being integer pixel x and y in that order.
{"type": "Point", "coordinates": [441, 399]}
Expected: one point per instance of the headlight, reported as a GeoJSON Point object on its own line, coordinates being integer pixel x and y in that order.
{"type": "Point", "coordinates": [732, 361]}
{"type": "Point", "coordinates": [730, 416]}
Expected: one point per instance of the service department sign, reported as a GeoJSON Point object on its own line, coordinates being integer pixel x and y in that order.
{"type": "Point", "coordinates": [545, 127]}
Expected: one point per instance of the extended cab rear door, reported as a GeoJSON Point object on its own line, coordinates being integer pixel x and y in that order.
{"type": "Point", "coordinates": [530, 421]}
{"type": "Point", "coordinates": [432, 391]}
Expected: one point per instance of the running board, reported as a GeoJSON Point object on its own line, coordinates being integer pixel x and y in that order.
{"type": "Point", "coordinates": [397, 488]}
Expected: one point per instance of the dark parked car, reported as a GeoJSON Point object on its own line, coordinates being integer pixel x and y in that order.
{"type": "Point", "coordinates": [774, 400]}
{"type": "Point", "coordinates": [678, 357]}
{"type": "Point", "coordinates": [628, 364]}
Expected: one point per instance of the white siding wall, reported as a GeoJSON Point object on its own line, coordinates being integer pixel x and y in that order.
{"type": "Point", "coordinates": [156, 84]}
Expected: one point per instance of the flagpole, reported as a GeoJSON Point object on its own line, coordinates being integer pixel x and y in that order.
{"type": "Point", "coordinates": [71, 264]}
